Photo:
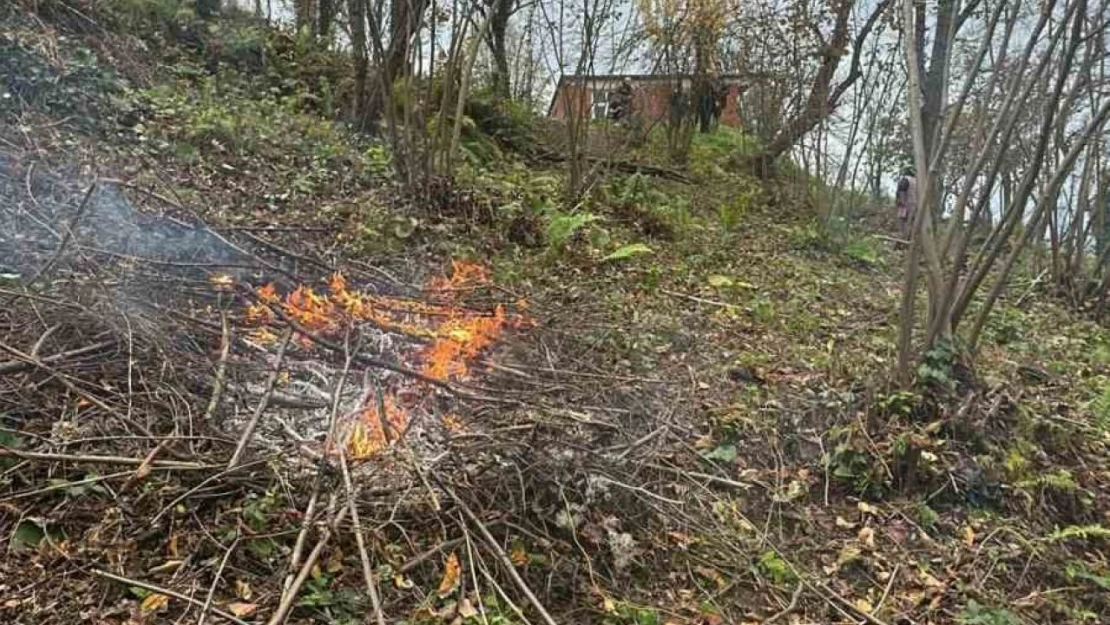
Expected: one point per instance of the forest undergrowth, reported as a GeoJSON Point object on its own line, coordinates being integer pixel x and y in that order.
{"type": "Point", "coordinates": [679, 406]}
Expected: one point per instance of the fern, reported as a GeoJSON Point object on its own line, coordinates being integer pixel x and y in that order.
{"type": "Point", "coordinates": [561, 226]}
{"type": "Point", "coordinates": [1081, 532]}
{"type": "Point", "coordinates": [1078, 571]}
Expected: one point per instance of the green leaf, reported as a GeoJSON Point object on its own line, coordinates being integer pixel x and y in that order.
{"type": "Point", "coordinates": [27, 536]}
{"type": "Point", "coordinates": [718, 282]}
{"type": "Point", "coordinates": [561, 227]}
{"type": "Point", "coordinates": [11, 441]}
{"type": "Point", "coordinates": [262, 548]}
{"type": "Point", "coordinates": [1081, 532]}
{"type": "Point", "coordinates": [627, 251]}
{"type": "Point", "coordinates": [723, 453]}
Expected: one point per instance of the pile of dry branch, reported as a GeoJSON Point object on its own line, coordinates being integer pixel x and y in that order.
{"type": "Point", "coordinates": [192, 422]}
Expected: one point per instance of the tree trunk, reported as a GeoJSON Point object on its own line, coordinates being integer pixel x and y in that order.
{"type": "Point", "coordinates": [324, 18]}
{"type": "Point", "coordinates": [500, 12]}
{"type": "Point", "coordinates": [406, 16]}
{"type": "Point", "coordinates": [823, 98]}
{"type": "Point", "coordinates": [356, 9]}
{"type": "Point", "coordinates": [405, 19]}
{"type": "Point", "coordinates": [302, 13]}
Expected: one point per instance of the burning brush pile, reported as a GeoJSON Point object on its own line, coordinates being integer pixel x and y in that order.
{"type": "Point", "coordinates": [434, 342]}
{"type": "Point", "coordinates": [206, 422]}
{"type": "Point", "coordinates": [169, 286]}
{"type": "Point", "coordinates": [166, 382]}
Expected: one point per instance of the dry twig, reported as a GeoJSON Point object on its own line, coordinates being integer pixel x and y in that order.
{"type": "Point", "coordinates": [260, 408]}
{"type": "Point", "coordinates": [167, 592]}
{"type": "Point", "coordinates": [364, 556]}
{"type": "Point", "coordinates": [502, 557]}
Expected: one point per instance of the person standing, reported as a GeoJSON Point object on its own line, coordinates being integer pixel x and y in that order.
{"type": "Point", "coordinates": [905, 200]}
{"type": "Point", "coordinates": [620, 104]}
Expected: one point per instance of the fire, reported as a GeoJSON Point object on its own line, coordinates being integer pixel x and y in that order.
{"type": "Point", "coordinates": [459, 341]}
{"type": "Point", "coordinates": [453, 337]}
{"type": "Point", "coordinates": [372, 434]}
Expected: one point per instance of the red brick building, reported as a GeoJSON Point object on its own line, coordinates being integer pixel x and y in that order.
{"type": "Point", "coordinates": [650, 96]}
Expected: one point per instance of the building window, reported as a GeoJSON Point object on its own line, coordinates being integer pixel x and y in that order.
{"type": "Point", "coordinates": [601, 105]}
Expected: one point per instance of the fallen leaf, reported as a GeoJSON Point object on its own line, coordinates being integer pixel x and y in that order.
{"type": "Point", "coordinates": [242, 589]}
{"type": "Point", "coordinates": [401, 581]}
{"type": "Point", "coordinates": [335, 562]}
{"type": "Point", "coordinates": [719, 281]}
{"type": "Point", "coordinates": [867, 537]}
{"type": "Point", "coordinates": [466, 609]}
{"type": "Point", "coordinates": [712, 574]}
{"type": "Point", "coordinates": [154, 602]}
{"type": "Point", "coordinates": [866, 508]}
{"type": "Point", "coordinates": [519, 556]}
{"type": "Point", "coordinates": [863, 605]}
{"type": "Point", "coordinates": [240, 609]}
{"type": "Point", "coordinates": [843, 523]}
{"type": "Point", "coordinates": [848, 555]}
{"type": "Point", "coordinates": [609, 606]}
{"type": "Point", "coordinates": [969, 536]}
{"type": "Point", "coordinates": [451, 573]}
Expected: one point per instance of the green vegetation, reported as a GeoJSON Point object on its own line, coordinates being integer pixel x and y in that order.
{"type": "Point", "coordinates": [694, 414]}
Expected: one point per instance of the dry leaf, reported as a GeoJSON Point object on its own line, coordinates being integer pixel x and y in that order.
{"type": "Point", "coordinates": [154, 602]}
{"type": "Point", "coordinates": [866, 508]}
{"type": "Point", "coordinates": [240, 609]}
{"type": "Point", "coordinates": [609, 606]}
{"type": "Point", "coordinates": [843, 523]}
{"type": "Point", "coordinates": [335, 562]}
{"type": "Point", "coordinates": [712, 574]}
{"type": "Point", "coordinates": [969, 536]}
{"type": "Point", "coordinates": [466, 609]}
{"type": "Point", "coordinates": [143, 470]}
{"type": "Point", "coordinates": [242, 589]}
{"type": "Point", "coordinates": [863, 605]}
{"type": "Point", "coordinates": [519, 556]}
{"type": "Point", "coordinates": [929, 580]}
{"type": "Point", "coordinates": [401, 581]}
{"type": "Point", "coordinates": [451, 573]}
{"type": "Point", "coordinates": [172, 547]}
{"type": "Point", "coordinates": [867, 537]}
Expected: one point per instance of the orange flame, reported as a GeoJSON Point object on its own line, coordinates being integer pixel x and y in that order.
{"type": "Point", "coordinates": [457, 336]}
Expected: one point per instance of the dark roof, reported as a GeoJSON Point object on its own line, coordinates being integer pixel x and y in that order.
{"type": "Point", "coordinates": [646, 77]}
{"type": "Point", "coordinates": [640, 78]}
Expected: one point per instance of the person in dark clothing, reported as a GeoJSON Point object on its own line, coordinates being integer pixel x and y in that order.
{"type": "Point", "coordinates": [679, 106]}
{"type": "Point", "coordinates": [620, 104]}
{"type": "Point", "coordinates": [720, 100]}
{"type": "Point", "coordinates": [905, 201]}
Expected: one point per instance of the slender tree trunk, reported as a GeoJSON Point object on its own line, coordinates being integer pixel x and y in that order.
{"type": "Point", "coordinates": [356, 10]}
{"type": "Point", "coordinates": [324, 19]}
{"type": "Point", "coordinates": [302, 13]}
{"type": "Point", "coordinates": [500, 12]}
{"type": "Point", "coordinates": [909, 287]}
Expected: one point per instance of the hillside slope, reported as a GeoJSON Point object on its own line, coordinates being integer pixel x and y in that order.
{"type": "Point", "coordinates": [669, 404]}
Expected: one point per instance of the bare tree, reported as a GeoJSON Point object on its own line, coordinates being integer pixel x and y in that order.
{"type": "Point", "coordinates": [1046, 81]}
